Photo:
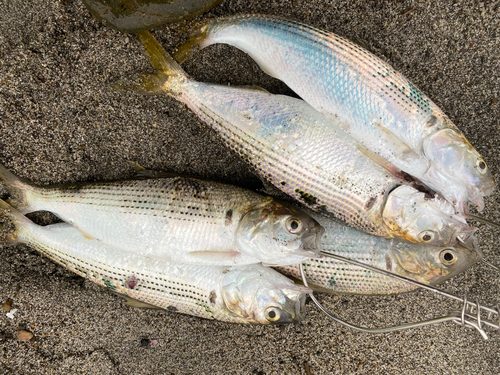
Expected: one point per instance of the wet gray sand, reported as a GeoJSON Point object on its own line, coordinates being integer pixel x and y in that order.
{"type": "Point", "coordinates": [59, 123]}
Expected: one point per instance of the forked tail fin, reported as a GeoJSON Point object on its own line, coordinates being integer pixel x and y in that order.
{"type": "Point", "coordinates": [17, 189]}
{"type": "Point", "coordinates": [11, 221]}
{"type": "Point", "coordinates": [193, 45]}
{"type": "Point", "coordinates": [169, 73]}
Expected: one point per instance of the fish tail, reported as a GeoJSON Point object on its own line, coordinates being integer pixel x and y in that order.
{"type": "Point", "coordinates": [11, 222]}
{"type": "Point", "coordinates": [169, 72]}
{"type": "Point", "coordinates": [160, 59]}
{"type": "Point", "coordinates": [198, 34]}
{"type": "Point", "coordinates": [17, 189]}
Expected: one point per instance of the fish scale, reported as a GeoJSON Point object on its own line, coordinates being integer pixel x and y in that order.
{"type": "Point", "coordinates": [287, 166]}
{"type": "Point", "coordinates": [163, 289]}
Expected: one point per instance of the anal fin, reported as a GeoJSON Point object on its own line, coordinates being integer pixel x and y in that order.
{"type": "Point", "coordinates": [146, 84]}
{"type": "Point", "coordinates": [139, 304]}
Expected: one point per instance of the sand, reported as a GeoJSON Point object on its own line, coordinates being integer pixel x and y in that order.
{"type": "Point", "coordinates": [60, 123]}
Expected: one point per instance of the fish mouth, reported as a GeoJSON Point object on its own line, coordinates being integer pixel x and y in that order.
{"type": "Point", "coordinates": [296, 301]}
{"type": "Point", "coordinates": [470, 242]}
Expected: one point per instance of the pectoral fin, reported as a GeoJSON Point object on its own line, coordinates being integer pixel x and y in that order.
{"type": "Point", "coordinates": [398, 146]}
{"type": "Point", "coordinates": [85, 234]}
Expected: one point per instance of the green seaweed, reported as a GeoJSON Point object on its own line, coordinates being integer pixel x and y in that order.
{"type": "Point", "coordinates": [139, 15]}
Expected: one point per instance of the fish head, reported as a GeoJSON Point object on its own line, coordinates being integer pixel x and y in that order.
{"type": "Point", "coordinates": [455, 158]}
{"type": "Point", "coordinates": [432, 264]}
{"type": "Point", "coordinates": [261, 295]}
{"type": "Point", "coordinates": [422, 217]}
{"type": "Point", "coordinates": [278, 234]}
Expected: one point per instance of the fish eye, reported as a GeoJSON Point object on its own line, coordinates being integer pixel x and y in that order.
{"type": "Point", "coordinates": [481, 165]}
{"type": "Point", "coordinates": [293, 225]}
{"type": "Point", "coordinates": [447, 257]}
{"type": "Point", "coordinates": [426, 236]}
{"type": "Point", "coordinates": [272, 314]}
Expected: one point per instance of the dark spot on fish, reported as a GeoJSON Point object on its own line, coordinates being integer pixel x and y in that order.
{"type": "Point", "coordinates": [172, 308]}
{"type": "Point", "coordinates": [131, 282]}
{"type": "Point", "coordinates": [213, 297]}
{"type": "Point", "coordinates": [283, 183]}
{"type": "Point", "coordinates": [370, 203]}
{"type": "Point", "coordinates": [429, 194]}
{"type": "Point", "coordinates": [407, 177]}
{"type": "Point", "coordinates": [331, 281]}
{"type": "Point", "coordinates": [229, 217]}
{"type": "Point", "coordinates": [323, 210]}
{"type": "Point", "coordinates": [190, 187]}
{"type": "Point", "coordinates": [108, 284]}
{"type": "Point", "coordinates": [72, 188]}
{"type": "Point", "coordinates": [432, 121]}
{"type": "Point", "coordinates": [388, 263]}
{"type": "Point", "coordinates": [307, 198]}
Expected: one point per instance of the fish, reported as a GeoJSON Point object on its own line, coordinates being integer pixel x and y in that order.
{"type": "Point", "coordinates": [303, 154]}
{"type": "Point", "coordinates": [376, 105]}
{"type": "Point", "coordinates": [177, 219]}
{"type": "Point", "coordinates": [426, 264]}
{"type": "Point", "coordinates": [238, 294]}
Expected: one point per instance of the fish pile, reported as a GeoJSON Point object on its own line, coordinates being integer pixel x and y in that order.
{"type": "Point", "coordinates": [385, 177]}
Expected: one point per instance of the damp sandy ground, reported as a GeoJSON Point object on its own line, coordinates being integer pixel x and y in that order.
{"type": "Point", "coordinates": [58, 124]}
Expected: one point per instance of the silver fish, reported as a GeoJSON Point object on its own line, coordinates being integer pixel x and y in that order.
{"type": "Point", "coordinates": [243, 294]}
{"type": "Point", "coordinates": [378, 106]}
{"type": "Point", "coordinates": [302, 153]}
{"type": "Point", "coordinates": [419, 262]}
{"type": "Point", "coordinates": [178, 219]}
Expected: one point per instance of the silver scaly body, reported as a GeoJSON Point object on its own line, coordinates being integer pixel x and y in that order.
{"type": "Point", "coordinates": [305, 155]}
{"type": "Point", "coordinates": [244, 294]}
{"type": "Point", "coordinates": [378, 106]}
{"type": "Point", "coordinates": [177, 219]}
